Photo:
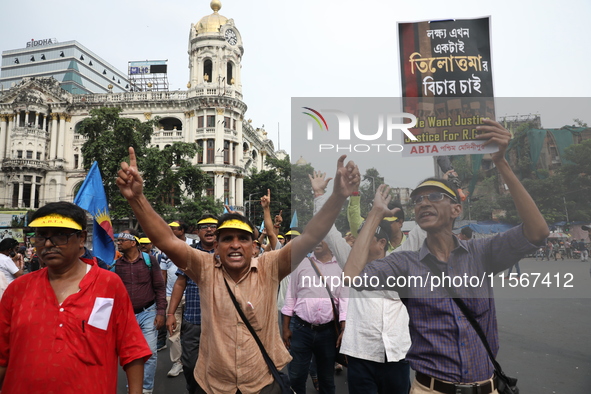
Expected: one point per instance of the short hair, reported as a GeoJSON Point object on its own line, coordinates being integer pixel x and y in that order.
{"type": "Point", "coordinates": [397, 204]}
{"type": "Point", "coordinates": [184, 226]}
{"type": "Point", "coordinates": [467, 231]}
{"type": "Point", "coordinates": [383, 231]}
{"type": "Point", "coordinates": [62, 208]}
{"type": "Point", "coordinates": [8, 244]}
{"type": "Point", "coordinates": [233, 216]}
{"type": "Point", "coordinates": [206, 216]}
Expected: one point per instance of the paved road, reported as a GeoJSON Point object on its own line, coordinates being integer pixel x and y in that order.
{"type": "Point", "coordinates": [544, 333]}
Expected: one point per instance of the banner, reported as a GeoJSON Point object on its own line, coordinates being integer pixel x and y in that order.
{"type": "Point", "coordinates": [92, 198]}
{"type": "Point", "coordinates": [447, 84]}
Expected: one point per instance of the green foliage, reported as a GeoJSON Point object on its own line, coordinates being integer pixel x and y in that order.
{"type": "Point", "coordinates": [277, 180]}
{"type": "Point", "coordinates": [169, 176]}
{"type": "Point", "coordinates": [370, 181]}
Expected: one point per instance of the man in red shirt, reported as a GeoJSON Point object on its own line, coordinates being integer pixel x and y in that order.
{"type": "Point", "coordinates": [69, 322]}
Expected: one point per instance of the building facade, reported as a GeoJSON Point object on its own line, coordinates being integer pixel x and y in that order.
{"type": "Point", "coordinates": [79, 70]}
{"type": "Point", "coordinates": [40, 151]}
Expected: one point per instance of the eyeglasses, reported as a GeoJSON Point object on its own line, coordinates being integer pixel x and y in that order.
{"type": "Point", "coordinates": [56, 239]}
{"type": "Point", "coordinates": [433, 197]}
{"type": "Point", "coordinates": [206, 226]}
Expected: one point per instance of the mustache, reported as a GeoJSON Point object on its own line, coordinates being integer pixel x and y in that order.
{"type": "Point", "coordinates": [51, 250]}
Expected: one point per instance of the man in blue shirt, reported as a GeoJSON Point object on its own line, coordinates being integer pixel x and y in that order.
{"type": "Point", "coordinates": [446, 353]}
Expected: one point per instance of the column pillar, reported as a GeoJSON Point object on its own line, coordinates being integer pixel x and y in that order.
{"type": "Point", "coordinates": [62, 136]}
{"type": "Point", "coordinates": [36, 119]}
{"type": "Point", "coordinates": [219, 136]}
{"type": "Point", "coordinates": [3, 132]}
{"type": "Point", "coordinates": [44, 121]}
{"type": "Point", "coordinates": [33, 191]}
{"type": "Point", "coordinates": [20, 194]}
{"type": "Point", "coordinates": [53, 138]}
{"type": "Point", "coordinates": [232, 191]}
{"type": "Point", "coordinates": [8, 133]}
{"type": "Point", "coordinates": [240, 190]}
{"type": "Point", "coordinates": [18, 118]}
{"type": "Point", "coordinates": [219, 185]}
{"type": "Point", "coordinates": [27, 118]}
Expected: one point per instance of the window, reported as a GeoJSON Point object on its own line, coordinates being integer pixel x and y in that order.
{"type": "Point", "coordinates": [210, 151]}
{"type": "Point", "coordinates": [29, 154]}
{"type": "Point", "coordinates": [233, 124]}
{"type": "Point", "coordinates": [200, 151]}
{"type": "Point", "coordinates": [226, 152]}
{"type": "Point", "coordinates": [76, 161]}
{"type": "Point", "coordinates": [210, 188]}
{"type": "Point", "coordinates": [200, 122]}
{"type": "Point", "coordinates": [229, 75]}
{"type": "Point", "coordinates": [38, 155]}
{"type": "Point", "coordinates": [207, 70]}
{"type": "Point", "coordinates": [234, 146]}
{"type": "Point", "coordinates": [226, 187]}
{"type": "Point", "coordinates": [19, 154]}
{"type": "Point", "coordinates": [227, 122]}
{"type": "Point", "coordinates": [210, 120]}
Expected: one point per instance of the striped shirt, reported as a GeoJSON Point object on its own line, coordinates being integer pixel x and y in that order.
{"type": "Point", "coordinates": [192, 313]}
{"type": "Point", "coordinates": [444, 344]}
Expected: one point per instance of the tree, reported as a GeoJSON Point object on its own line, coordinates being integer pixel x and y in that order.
{"type": "Point", "coordinates": [169, 177]}
{"type": "Point", "coordinates": [277, 179]}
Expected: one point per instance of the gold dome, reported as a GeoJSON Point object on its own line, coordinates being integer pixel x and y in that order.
{"type": "Point", "coordinates": [211, 23]}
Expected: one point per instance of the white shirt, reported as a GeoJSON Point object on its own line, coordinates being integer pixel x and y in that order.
{"type": "Point", "coordinates": [7, 267]}
{"type": "Point", "coordinates": [377, 321]}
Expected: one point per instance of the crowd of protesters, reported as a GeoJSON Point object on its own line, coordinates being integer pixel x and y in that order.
{"type": "Point", "coordinates": [217, 298]}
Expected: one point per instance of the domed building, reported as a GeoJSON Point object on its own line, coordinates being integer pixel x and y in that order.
{"type": "Point", "coordinates": [40, 151]}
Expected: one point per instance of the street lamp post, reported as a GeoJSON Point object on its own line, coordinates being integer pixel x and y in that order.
{"type": "Point", "coordinates": [373, 182]}
{"type": "Point", "coordinates": [249, 207]}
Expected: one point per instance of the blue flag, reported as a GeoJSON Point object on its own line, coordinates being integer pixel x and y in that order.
{"type": "Point", "coordinates": [92, 198]}
{"type": "Point", "coordinates": [294, 220]}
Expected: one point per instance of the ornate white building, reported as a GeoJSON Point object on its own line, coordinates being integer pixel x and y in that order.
{"type": "Point", "coordinates": [40, 151]}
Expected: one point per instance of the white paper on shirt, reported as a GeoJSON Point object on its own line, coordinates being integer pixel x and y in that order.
{"type": "Point", "coordinates": [101, 313]}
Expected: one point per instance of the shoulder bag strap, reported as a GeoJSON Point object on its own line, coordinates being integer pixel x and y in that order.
{"type": "Point", "coordinates": [335, 312]}
{"type": "Point", "coordinates": [468, 313]}
{"type": "Point", "coordinates": [270, 363]}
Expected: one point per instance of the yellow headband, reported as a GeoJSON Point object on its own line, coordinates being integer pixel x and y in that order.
{"type": "Point", "coordinates": [438, 184]}
{"type": "Point", "coordinates": [208, 221]}
{"type": "Point", "coordinates": [145, 241]}
{"type": "Point", "coordinates": [236, 224]}
{"type": "Point", "coordinates": [391, 219]}
{"type": "Point", "coordinates": [174, 224]}
{"type": "Point", "coordinates": [280, 237]}
{"type": "Point", "coordinates": [55, 221]}
{"type": "Point", "coordinates": [293, 232]}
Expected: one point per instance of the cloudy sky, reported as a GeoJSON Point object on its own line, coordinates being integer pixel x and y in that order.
{"type": "Point", "coordinates": [325, 48]}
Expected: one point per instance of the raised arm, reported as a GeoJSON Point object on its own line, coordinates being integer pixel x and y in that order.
{"type": "Point", "coordinates": [345, 181]}
{"type": "Point", "coordinates": [131, 185]}
{"type": "Point", "coordinates": [535, 228]}
{"type": "Point", "coordinates": [266, 203]}
{"type": "Point", "coordinates": [360, 251]}
{"type": "Point", "coordinates": [336, 243]}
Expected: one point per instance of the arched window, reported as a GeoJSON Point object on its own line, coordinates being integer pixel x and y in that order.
{"type": "Point", "coordinates": [229, 74]}
{"type": "Point", "coordinates": [207, 70]}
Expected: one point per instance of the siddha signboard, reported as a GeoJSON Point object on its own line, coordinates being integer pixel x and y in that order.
{"type": "Point", "coordinates": [38, 43]}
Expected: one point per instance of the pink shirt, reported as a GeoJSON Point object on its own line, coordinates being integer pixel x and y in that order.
{"type": "Point", "coordinates": [307, 296]}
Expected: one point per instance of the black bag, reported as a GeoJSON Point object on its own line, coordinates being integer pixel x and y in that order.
{"type": "Point", "coordinates": [340, 358]}
{"type": "Point", "coordinates": [281, 378]}
{"type": "Point", "coordinates": [505, 384]}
